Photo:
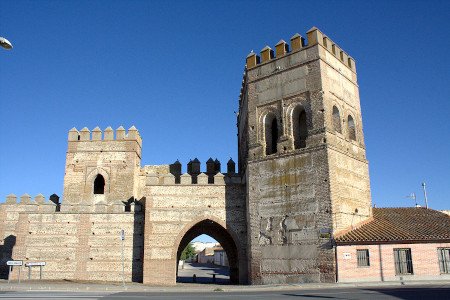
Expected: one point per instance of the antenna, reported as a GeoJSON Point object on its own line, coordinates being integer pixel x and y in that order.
{"type": "Point", "coordinates": [413, 197]}
{"type": "Point", "coordinates": [425, 194]}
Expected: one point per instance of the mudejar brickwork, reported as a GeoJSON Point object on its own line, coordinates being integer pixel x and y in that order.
{"type": "Point", "coordinates": [302, 177]}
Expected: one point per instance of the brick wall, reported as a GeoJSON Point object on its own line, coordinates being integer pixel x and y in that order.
{"type": "Point", "coordinates": [382, 266]}
{"type": "Point", "coordinates": [80, 246]}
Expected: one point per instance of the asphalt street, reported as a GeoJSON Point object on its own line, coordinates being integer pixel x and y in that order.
{"type": "Point", "coordinates": [416, 292]}
{"type": "Point", "coordinates": [204, 273]}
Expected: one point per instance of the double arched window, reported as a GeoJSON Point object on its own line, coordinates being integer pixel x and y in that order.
{"type": "Point", "coordinates": [299, 127]}
{"type": "Point", "coordinates": [99, 185]}
{"type": "Point", "coordinates": [271, 133]}
{"type": "Point", "coordinates": [336, 120]}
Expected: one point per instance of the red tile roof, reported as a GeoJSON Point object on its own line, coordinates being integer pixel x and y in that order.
{"type": "Point", "coordinates": [400, 225]}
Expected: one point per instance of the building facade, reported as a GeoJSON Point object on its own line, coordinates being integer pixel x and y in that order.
{"type": "Point", "coordinates": [303, 177]}
{"type": "Point", "coordinates": [396, 244]}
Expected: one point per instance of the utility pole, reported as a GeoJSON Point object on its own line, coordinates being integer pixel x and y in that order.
{"type": "Point", "coordinates": [122, 237]}
{"type": "Point", "coordinates": [425, 194]}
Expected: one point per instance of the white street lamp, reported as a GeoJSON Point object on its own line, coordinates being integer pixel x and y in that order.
{"type": "Point", "coordinates": [5, 43]}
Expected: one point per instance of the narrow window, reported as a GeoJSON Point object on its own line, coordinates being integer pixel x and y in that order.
{"type": "Point", "coordinates": [299, 127]}
{"type": "Point", "coordinates": [351, 128]}
{"type": "Point", "coordinates": [363, 257]}
{"type": "Point", "coordinates": [271, 134]}
{"type": "Point", "coordinates": [444, 260]}
{"type": "Point", "coordinates": [99, 184]}
{"type": "Point", "coordinates": [336, 119]}
{"type": "Point", "coordinates": [403, 261]}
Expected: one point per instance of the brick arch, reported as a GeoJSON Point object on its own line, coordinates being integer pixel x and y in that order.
{"type": "Point", "coordinates": [267, 116]}
{"type": "Point", "coordinates": [216, 229]}
{"type": "Point", "coordinates": [90, 178]}
{"type": "Point", "coordinates": [261, 121]}
{"type": "Point", "coordinates": [292, 126]}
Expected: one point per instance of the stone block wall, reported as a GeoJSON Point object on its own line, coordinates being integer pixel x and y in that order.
{"type": "Point", "coordinates": [80, 246]}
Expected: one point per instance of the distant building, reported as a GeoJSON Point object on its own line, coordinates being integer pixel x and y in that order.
{"type": "Point", "coordinates": [206, 256]}
{"type": "Point", "coordinates": [220, 257]}
{"type": "Point", "coordinates": [396, 244]}
{"type": "Point", "coordinates": [199, 246]}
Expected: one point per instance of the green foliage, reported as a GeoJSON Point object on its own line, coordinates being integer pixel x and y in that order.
{"type": "Point", "coordinates": [188, 252]}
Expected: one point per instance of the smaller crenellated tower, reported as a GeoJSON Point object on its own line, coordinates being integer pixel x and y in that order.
{"type": "Point", "coordinates": [101, 168]}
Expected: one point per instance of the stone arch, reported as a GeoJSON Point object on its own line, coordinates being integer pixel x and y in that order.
{"type": "Point", "coordinates": [99, 185]}
{"type": "Point", "coordinates": [336, 119]}
{"type": "Point", "coordinates": [92, 176]}
{"type": "Point", "coordinates": [351, 128]}
{"type": "Point", "coordinates": [271, 135]}
{"type": "Point", "coordinates": [218, 230]}
{"type": "Point", "coordinates": [270, 111]}
{"type": "Point", "coordinates": [298, 125]}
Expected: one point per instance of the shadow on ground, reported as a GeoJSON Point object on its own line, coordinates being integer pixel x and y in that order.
{"type": "Point", "coordinates": [204, 273]}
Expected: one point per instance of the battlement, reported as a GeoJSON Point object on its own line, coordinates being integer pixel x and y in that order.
{"type": "Point", "coordinates": [39, 203]}
{"type": "Point", "coordinates": [298, 43]}
{"type": "Point", "coordinates": [212, 174]}
{"type": "Point", "coordinates": [108, 135]}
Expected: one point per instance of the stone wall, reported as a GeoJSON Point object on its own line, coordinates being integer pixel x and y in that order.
{"type": "Point", "coordinates": [78, 246]}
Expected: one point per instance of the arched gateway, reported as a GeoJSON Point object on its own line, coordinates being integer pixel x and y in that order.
{"type": "Point", "coordinates": [177, 213]}
{"type": "Point", "coordinates": [221, 235]}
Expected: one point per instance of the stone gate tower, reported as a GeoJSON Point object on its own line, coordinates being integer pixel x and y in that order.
{"type": "Point", "coordinates": [101, 171]}
{"type": "Point", "coordinates": [302, 153]}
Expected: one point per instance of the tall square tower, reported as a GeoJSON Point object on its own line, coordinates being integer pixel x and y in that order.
{"type": "Point", "coordinates": [302, 153]}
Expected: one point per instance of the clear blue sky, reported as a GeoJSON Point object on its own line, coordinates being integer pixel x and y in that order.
{"type": "Point", "coordinates": [174, 71]}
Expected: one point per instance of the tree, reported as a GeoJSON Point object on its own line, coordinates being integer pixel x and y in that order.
{"type": "Point", "coordinates": [188, 252]}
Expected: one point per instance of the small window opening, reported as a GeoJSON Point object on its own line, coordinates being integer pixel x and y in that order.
{"type": "Point", "coordinates": [336, 120]}
{"type": "Point", "coordinates": [99, 185]}
{"type": "Point", "coordinates": [351, 128]}
{"type": "Point", "coordinates": [271, 134]}
{"type": "Point", "coordinates": [403, 261]}
{"type": "Point", "coordinates": [444, 260]}
{"type": "Point", "coordinates": [300, 129]}
{"type": "Point", "coordinates": [363, 257]}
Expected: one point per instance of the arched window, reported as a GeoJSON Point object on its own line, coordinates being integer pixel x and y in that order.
{"type": "Point", "coordinates": [99, 184]}
{"type": "Point", "coordinates": [351, 128]}
{"type": "Point", "coordinates": [336, 120]}
{"type": "Point", "coordinates": [271, 133]}
{"type": "Point", "coordinates": [299, 127]}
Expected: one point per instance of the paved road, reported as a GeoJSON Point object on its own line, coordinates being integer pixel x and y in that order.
{"type": "Point", "coordinates": [416, 292]}
{"type": "Point", "coordinates": [204, 273]}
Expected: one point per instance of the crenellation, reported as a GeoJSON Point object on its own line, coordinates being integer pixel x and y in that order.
{"type": "Point", "coordinates": [109, 134]}
{"type": "Point", "coordinates": [120, 133]}
{"type": "Point", "coordinates": [11, 199]}
{"type": "Point", "coordinates": [39, 199]}
{"type": "Point", "coordinates": [266, 54]}
{"type": "Point", "coordinates": [74, 134]}
{"type": "Point", "coordinates": [314, 36]}
{"type": "Point", "coordinates": [26, 199]}
{"type": "Point", "coordinates": [281, 48]}
{"type": "Point", "coordinates": [97, 134]}
{"type": "Point", "coordinates": [85, 134]}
